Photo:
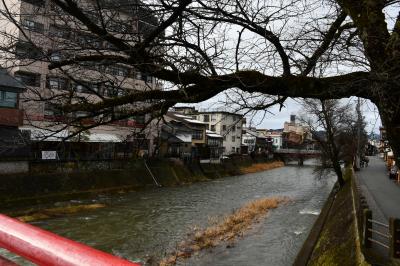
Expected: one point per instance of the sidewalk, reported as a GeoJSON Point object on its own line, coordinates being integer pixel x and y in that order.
{"type": "Point", "coordinates": [374, 181]}
{"type": "Point", "coordinates": [383, 198]}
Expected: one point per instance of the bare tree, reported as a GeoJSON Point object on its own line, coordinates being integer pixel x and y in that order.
{"type": "Point", "coordinates": [200, 48]}
{"type": "Point", "coordinates": [331, 122]}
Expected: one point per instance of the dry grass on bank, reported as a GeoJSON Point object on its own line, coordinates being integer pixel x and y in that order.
{"type": "Point", "coordinates": [227, 230]}
{"type": "Point", "coordinates": [59, 211]}
{"type": "Point", "coordinates": [258, 167]}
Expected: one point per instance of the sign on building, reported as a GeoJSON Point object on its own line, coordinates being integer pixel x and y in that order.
{"type": "Point", "coordinates": [49, 155]}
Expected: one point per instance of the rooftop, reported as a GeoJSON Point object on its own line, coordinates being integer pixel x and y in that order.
{"type": "Point", "coordinates": [9, 83]}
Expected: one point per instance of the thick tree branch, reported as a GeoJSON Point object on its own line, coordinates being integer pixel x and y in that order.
{"type": "Point", "coordinates": [369, 18]}
{"type": "Point", "coordinates": [249, 81]}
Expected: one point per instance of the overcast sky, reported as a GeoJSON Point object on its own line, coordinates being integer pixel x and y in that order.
{"type": "Point", "coordinates": [275, 118]}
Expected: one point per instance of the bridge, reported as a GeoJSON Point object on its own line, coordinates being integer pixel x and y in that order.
{"type": "Point", "coordinates": [297, 154]}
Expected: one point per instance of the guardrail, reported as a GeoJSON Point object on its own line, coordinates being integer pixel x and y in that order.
{"type": "Point", "coordinates": [390, 232]}
{"type": "Point", "coordinates": [45, 248]}
{"type": "Point", "coordinates": [298, 151]}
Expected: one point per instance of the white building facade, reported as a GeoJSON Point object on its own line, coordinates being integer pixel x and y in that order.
{"type": "Point", "coordinates": [228, 125]}
{"type": "Point", "coordinates": [249, 139]}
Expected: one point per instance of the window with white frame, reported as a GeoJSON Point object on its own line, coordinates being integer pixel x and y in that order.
{"type": "Point", "coordinates": [33, 25]}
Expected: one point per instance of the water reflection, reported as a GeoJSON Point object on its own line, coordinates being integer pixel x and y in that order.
{"type": "Point", "coordinates": [147, 224]}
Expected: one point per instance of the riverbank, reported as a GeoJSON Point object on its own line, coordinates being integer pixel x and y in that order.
{"type": "Point", "coordinates": [333, 240]}
{"type": "Point", "coordinates": [146, 225]}
{"type": "Point", "coordinates": [24, 192]}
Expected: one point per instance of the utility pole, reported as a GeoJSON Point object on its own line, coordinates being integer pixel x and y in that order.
{"type": "Point", "coordinates": [359, 124]}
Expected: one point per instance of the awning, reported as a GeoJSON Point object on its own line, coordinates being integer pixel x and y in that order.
{"type": "Point", "coordinates": [45, 134]}
{"type": "Point", "coordinates": [9, 83]}
{"type": "Point", "coordinates": [212, 134]}
{"type": "Point", "coordinates": [184, 137]}
{"type": "Point", "coordinates": [103, 137]}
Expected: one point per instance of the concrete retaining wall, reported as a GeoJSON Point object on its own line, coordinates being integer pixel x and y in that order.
{"type": "Point", "coordinates": [18, 167]}
{"type": "Point", "coordinates": [59, 180]}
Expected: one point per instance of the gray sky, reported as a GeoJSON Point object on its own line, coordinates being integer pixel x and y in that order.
{"type": "Point", "coordinates": [276, 119]}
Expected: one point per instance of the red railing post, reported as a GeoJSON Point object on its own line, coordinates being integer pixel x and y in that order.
{"type": "Point", "coordinates": [45, 248]}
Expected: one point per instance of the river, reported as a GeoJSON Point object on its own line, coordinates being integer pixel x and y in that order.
{"type": "Point", "coordinates": [147, 224]}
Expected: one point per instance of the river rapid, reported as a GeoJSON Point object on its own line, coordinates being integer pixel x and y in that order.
{"type": "Point", "coordinates": [145, 225]}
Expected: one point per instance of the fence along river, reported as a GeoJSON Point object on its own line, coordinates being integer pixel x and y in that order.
{"type": "Point", "coordinates": [143, 226]}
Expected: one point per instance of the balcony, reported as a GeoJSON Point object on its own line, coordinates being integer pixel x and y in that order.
{"type": "Point", "coordinates": [11, 117]}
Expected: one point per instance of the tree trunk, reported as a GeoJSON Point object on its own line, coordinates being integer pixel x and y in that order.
{"type": "Point", "coordinates": [390, 115]}
{"type": "Point", "coordinates": [339, 173]}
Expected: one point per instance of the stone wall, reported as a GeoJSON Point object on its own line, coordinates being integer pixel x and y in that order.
{"type": "Point", "coordinates": [50, 181]}
{"type": "Point", "coordinates": [18, 167]}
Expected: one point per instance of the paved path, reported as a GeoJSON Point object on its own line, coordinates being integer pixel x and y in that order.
{"type": "Point", "coordinates": [374, 180]}
{"type": "Point", "coordinates": [383, 198]}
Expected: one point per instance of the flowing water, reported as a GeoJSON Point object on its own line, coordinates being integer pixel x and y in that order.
{"type": "Point", "coordinates": [145, 225]}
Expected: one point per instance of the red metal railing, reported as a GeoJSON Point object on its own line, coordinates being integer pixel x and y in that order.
{"type": "Point", "coordinates": [45, 248]}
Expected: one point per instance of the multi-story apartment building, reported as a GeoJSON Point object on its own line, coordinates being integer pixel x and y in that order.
{"type": "Point", "coordinates": [295, 134]}
{"type": "Point", "coordinates": [49, 36]}
{"type": "Point", "coordinates": [228, 125]}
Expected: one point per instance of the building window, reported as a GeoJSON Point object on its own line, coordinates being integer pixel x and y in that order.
{"type": "Point", "coordinates": [121, 92]}
{"type": "Point", "coordinates": [88, 41]}
{"type": "Point", "coordinates": [8, 99]}
{"type": "Point", "coordinates": [233, 129]}
{"type": "Point", "coordinates": [233, 149]}
{"type": "Point", "coordinates": [146, 78]}
{"type": "Point", "coordinates": [55, 56]}
{"type": "Point", "coordinates": [85, 87]}
{"type": "Point", "coordinates": [206, 118]}
{"type": "Point", "coordinates": [33, 26]}
{"type": "Point", "coordinates": [52, 111]}
{"type": "Point", "coordinates": [139, 119]}
{"type": "Point", "coordinates": [29, 79]}
{"type": "Point", "coordinates": [224, 138]}
{"type": "Point", "coordinates": [57, 83]}
{"type": "Point", "coordinates": [118, 71]}
{"type": "Point", "coordinates": [91, 66]}
{"type": "Point", "coordinates": [224, 127]}
{"type": "Point", "coordinates": [213, 128]}
{"type": "Point", "coordinates": [81, 114]}
{"type": "Point", "coordinates": [39, 3]}
{"type": "Point", "coordinates": [213, 119]}
{"type": "Point", "coordinates": [118, 27]}
{"type": "Point", "coordinates": [110, 91]}
{"type": "Point", "coordinates": [197, 134]}
{"type": "Point", "coordinates": [25, 50]}
{"type": "Point", "coordinates": [233, 138]}
{"type": "Point", "coordinates": [59, 31]}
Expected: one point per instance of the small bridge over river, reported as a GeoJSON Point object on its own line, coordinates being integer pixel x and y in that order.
{"type": "Point", "coordinates": [297, 154]}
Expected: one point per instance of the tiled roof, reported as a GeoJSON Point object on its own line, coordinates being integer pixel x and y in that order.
{"type": "Point", "coordinates": [9, 83]}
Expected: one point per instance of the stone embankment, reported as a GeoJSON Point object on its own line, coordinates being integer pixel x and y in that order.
{"type": "Point", "coordinates": [333, 240]}
{"type": "Point", "coordinates": [58, 181]}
